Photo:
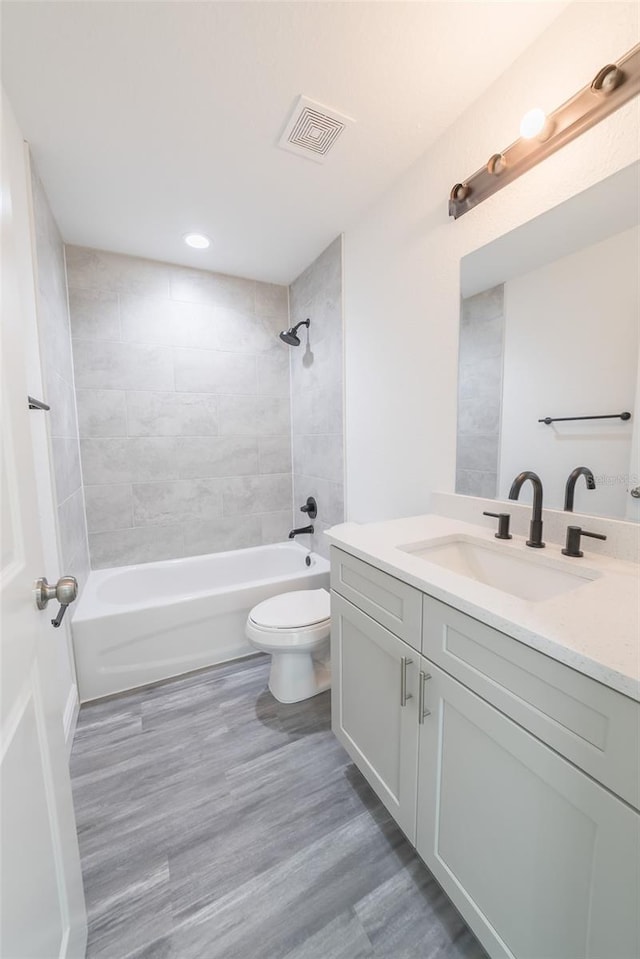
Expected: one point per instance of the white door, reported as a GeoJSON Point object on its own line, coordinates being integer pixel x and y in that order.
{"type": "Point", "coordinates": [375, 707]}
{"type": "Point", "coordinates": [41, 896]}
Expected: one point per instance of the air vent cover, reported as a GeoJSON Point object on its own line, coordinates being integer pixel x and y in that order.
{"type": "Point", "coordinates": [312, 129]}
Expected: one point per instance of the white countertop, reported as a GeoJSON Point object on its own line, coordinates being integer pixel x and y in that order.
{"type": "Point", "coordinates": [594, 629]}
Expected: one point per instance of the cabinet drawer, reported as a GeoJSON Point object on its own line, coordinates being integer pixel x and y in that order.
{"type": "Point", "coordinates": [386, 599]}
{"type": "Point", "coordinates": [595, 727]}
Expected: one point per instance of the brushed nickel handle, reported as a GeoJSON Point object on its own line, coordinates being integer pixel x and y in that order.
{"type": "Point", "coordinates": [65, 591]}
{"type": "Point", "coordinates": [422, 711]}
{"type": "Point", "coordinates": [404, 695]}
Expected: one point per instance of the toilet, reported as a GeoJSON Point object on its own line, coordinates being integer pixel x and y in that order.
{"type": "Point", "coordinates": [294, 628]}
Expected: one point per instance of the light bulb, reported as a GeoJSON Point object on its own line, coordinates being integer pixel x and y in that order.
{"type": "Point", "coordinates": [197, 240]}
{"type": "Point", "coordinates": [532, 123]}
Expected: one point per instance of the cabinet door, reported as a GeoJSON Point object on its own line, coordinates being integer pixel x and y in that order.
{"type": "Point", "coordinates": [540, 860]}
{"type": "Point", "coordinates": [380, 734]}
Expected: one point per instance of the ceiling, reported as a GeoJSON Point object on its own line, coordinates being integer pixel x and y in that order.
{"type": "Point", "coordinates": [148, 120]}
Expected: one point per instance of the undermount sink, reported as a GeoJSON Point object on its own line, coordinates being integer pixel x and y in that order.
{"type": "Point", "coordinates": [534, 578]}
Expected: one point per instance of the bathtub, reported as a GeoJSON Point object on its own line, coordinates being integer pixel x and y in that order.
{"type": "Point", "coordinates": [138, 624]}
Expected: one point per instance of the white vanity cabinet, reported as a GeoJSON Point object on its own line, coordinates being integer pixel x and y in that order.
{"type": "Point", "coordinates": [540, 860]}
{"type": "Point", "coordinates": [510, 786]}
{"type": "Point", "coordinates": [374, 707]}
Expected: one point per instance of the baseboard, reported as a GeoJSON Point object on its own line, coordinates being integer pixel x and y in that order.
{"type": "Point", "coordinates": [70, 717]}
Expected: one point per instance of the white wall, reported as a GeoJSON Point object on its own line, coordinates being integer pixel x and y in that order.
{"type": "Point", "coordinates": [402, 260]}
{"type": "Point", "coordinates": [571, 349]}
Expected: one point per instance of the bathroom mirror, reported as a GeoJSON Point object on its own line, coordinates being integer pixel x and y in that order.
{"type": "Point", "coordinates": [549, 328]}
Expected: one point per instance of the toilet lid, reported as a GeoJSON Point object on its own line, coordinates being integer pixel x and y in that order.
{"type": "Point", "coordinates": [303, 607]}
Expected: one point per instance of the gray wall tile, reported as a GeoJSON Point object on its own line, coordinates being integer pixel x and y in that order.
{"type": "Point", "coordinates": [115, 273]}
{"type": "Point", "coordinates": [216, 535]}
{"type": "Point", "coordinates": [102, 413]}
{"type": "Point", "coordinates": [66, 466]}
{"type": "Point", "coordinates": [218, 289]}
{"type": "Point", "coordinates": [73, 534]}
{"type": "Point", "coordinates": [480, 361]}
{"type": "Point", "coordinates": [276, 526]}
{"type": "Point", "coordinates": [108, 507]}
{"type": "Point", "coordinates": [172, 414]}
{"type": "Point", "coordinates": [478, 452]}
{"type": "Point", "coordinates": [122, 366]}
{"type": "Point", "coordinates": [275, 454]}
{"type": "Point", "coordinates": [316, 385]}
{"type": "Point", "coordinates": [319, 455]}
{"type": "Point", "coordinates": [477, 483]}
{"type": "Point", "coordinates": [62, 400]}
{"type": "Point", "coordinates": [95, 315]}
{"type": "Point", "coordinates": [242, 495]}
{"type": "Point", "coordinates": [272, 300]}
{"type": "Point", "coordinates": [169, 363]}
{"type": "Point", "coordinates": [217, 456]}
{"type": "Point", "coordinates": [125, 547]}
{"type": "Point", "coordinates": [107, 460]}
{"type": "Point", "coordinates": [251, 415]}
{"type": "Point", "coordinates": [177, 502]}
{"type": "Point", "coordinates": [160, 321]}
{"type": "Point", "coordinates": [273, 372]}
{"type": "Point", "coordinates": [207, 371]}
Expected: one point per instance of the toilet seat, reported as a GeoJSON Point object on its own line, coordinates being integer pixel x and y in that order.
{"type": "Point", "coordinates": [301, 609]}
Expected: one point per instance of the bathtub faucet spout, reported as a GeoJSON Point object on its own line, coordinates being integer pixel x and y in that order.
{"type": "Point", "coordinates": [297, 532]}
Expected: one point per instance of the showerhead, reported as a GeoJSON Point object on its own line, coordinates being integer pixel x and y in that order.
{"type": "Point", "coordinates": [291, 336]}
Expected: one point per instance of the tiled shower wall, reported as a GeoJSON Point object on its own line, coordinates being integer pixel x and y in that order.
{"type": "Point", "coordinates": [57, 371]}
{"type": "Point", "coordinates": [316, 392]}
{"type": "Point", "coordinates": [481, 352]}
{"type": "Point", "coordinates": [183, 400]}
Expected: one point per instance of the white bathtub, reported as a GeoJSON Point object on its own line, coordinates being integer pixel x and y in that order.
{"type": "Point", "coordinates": [137, 624]}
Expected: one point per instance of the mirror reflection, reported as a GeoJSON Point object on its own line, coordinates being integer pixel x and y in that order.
{"type": "Point", "coordinates": [549, 329]}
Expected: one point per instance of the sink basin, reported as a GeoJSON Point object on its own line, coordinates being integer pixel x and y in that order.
{"type": "Point", "coordinates": [534, 578]}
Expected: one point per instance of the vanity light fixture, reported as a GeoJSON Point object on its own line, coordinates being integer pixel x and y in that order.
{"type": "Point", "coordinates": [541, 135]}
{"type": "Point", "coordinates": [197, 240]}
{"type": "Point", "coordinates": [533, 123]}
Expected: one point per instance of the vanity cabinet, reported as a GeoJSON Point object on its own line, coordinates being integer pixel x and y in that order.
{"type": "Point", "coordinates": [374, 707]}
{"type": "Point", "coordinates": [501, 786]}
{"type": "Point", "coordinates": [540, 860]}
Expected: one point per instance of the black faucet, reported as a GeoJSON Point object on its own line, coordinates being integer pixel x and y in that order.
{"type": "Point", "coordinates": [535, 527]}
{"type": "Point", "coordinates": [303, 529]}
{"type": "Point", "coordinates": [570, 488]}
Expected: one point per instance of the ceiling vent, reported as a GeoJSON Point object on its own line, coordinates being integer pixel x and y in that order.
{"type": "Point", "coordinates": [312, 130]}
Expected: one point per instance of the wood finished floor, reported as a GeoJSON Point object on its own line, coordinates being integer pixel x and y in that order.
{"type": "Point", "coordinates": [216, 823]}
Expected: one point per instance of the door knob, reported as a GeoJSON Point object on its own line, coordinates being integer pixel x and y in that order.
{"type": "Point", "coordinates": [65, 591]}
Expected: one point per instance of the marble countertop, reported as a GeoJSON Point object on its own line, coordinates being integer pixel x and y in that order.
{"type": "Point", "coordinates": [594, 628]}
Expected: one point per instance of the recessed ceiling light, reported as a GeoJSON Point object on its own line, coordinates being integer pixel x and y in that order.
{"type": "Point", "coordinates": [197, 240]}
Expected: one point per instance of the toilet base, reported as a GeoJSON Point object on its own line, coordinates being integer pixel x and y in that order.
{"type": "Point", "coordinates": [295, 677]}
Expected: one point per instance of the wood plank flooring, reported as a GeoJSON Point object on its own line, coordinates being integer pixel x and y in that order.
{"type": "Point", "coordinates": [217, 823]}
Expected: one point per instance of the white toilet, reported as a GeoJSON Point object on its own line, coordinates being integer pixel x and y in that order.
{"type": "Point", "coordinates": [294, 628]}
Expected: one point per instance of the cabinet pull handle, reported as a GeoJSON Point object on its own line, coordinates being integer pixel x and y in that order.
{"type": "Point", "coordinates": [422, 712]}
{"type": "Point", "coordinates": [404, 695]}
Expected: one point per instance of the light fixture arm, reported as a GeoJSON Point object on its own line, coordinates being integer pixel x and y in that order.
{"type": "Point", "coordinates": [613, 85]}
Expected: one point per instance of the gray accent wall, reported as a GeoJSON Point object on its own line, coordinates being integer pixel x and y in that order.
{"type": "Point", "coordinates": [57, 372]}
{"type": "Point", "coordinates": [480, 366]}
{"type": "Point", "coordinates": [183, 400]}
{"type": "Point", "coordinates": [317, 394]}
